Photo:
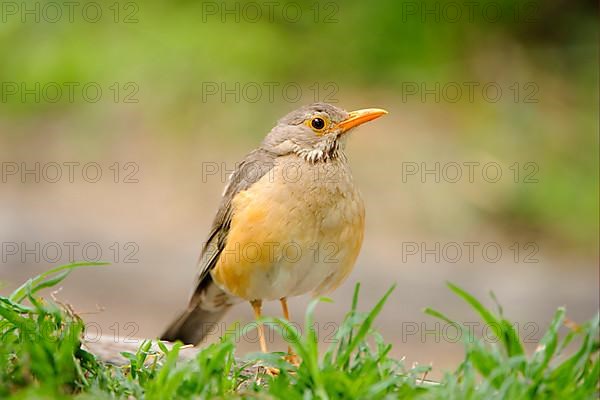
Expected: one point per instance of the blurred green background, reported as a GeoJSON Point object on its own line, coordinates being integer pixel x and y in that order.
{"type": "Point", "coordinates": [366, 50]}
{"type": "Point", "coordinates": [358, 54]}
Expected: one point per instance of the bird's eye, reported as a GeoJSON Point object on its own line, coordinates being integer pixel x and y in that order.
{"type": "Point", "coordinates": [317, 123]}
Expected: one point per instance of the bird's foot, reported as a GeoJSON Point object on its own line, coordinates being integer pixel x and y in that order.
{"type": "Point", "coordinates": [270, 371]}
{"type": "Point", "coordinates": [293, 359]}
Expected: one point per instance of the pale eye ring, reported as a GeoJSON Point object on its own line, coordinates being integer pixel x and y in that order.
{"type": "Point", "coordinates": [317, 123]}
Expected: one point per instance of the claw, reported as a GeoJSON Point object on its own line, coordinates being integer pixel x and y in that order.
{"type": "Point", "coordinates": [270, 371]}
{"type": "Point", "coordinates": [293, 359]}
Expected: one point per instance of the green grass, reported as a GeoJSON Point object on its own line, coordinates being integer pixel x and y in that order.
{"type": "Point", "coordinates": [41, 357]}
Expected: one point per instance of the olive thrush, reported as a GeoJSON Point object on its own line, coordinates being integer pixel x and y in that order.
{"type": "Point", "coordinates": [291, 221]}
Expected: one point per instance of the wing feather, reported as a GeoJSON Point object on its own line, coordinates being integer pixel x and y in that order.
{"type": "Point", "coordinates": [254, 166]}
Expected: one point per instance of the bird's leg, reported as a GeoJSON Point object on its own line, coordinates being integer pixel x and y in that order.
{"type": "Point", "coordinates": [256, 306]}
{"type": "Point", "coordinates": [291, 357]}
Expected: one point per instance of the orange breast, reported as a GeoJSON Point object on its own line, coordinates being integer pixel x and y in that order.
{"type": "Point", "coordinates": [291, 236]}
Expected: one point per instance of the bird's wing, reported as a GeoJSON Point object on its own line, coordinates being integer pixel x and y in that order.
{"type": "Point", "coordinates": [209, 302]}
{"type": "Point", "coordinates": [254, 166]}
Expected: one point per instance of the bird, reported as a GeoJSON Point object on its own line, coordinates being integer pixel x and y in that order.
{"type": "Point", "coordinates": [291, 221]}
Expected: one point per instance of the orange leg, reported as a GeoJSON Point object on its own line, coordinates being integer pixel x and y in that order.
{"type": "Point", "coordinates": [291, 357]}
{"type": "Point", "coordinates": [284, 307]}
{"type": "Point", "coordinates": [256, 306]}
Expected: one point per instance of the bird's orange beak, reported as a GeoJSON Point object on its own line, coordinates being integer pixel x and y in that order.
{"type": "Point", "coordinates": [359, 117]}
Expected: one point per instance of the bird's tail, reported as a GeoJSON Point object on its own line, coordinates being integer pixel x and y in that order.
{"type": "Point", "coordinates": [207, 306]}
{"type": "Point", "coordinates": [193, 325]}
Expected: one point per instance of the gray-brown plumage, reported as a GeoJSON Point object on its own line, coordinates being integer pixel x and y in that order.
{"type": "Point", "coordinates": [262, 205]}
{"type": "Point", "coordinates": [208, 302]}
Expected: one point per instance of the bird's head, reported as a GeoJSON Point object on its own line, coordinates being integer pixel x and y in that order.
{"type": "Point", "coordinates": [316, 132]}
